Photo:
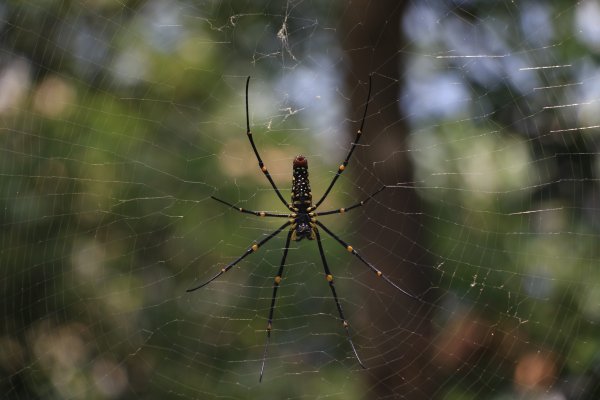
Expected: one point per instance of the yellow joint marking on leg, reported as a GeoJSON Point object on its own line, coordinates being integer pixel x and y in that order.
{"type": "Point", "coordinates": [342, 210]}
{"type": "Point", "coordinates": [269, 326]}
{"type": "Point", "coordinates": [359, 132]}
{"type": "Point", "coordinates": [329, 278]}
{"type": "Point", "coordinates": [264, 169]}
{"type": "Point", "coordinates": [241, 209]}
{"type": "Point", "coordinates": [254, 247]}
{"type": "Point", "coordinates": [312, 214]}
{"type": "Point", "coordinates": [342, 167]}
{"type": "Point", "coordinates": [223, 270]}
{"type": "Point", "coordinates": [313, 220]}
{"type": "Point", "coordinates": [277, 280]}
{"type": "Point", "coordinates": [345, 324]}
{"type": "Point", "coordinates": [379, 274]}
{"type": "Point", "coordinates": [350, 248]}
{"type": "Point", "coordinates": [262, 214]}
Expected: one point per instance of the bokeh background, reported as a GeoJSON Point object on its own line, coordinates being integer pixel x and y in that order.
{"type": "Point", "coordinates": [119, 120]}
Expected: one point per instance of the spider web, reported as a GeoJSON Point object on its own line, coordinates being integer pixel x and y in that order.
{"type": "Point", "coordinates": [119, 121]}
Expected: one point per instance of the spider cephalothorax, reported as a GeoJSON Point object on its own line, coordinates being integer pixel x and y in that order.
{"type": "Point", "coordinates": [302, 223]}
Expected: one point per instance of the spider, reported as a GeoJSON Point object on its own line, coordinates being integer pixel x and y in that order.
{"type": "Point", "coordinates": [302, 223]}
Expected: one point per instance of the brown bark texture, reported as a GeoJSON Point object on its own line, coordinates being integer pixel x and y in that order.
{"type": "Point", "coordinates": [397, 364]}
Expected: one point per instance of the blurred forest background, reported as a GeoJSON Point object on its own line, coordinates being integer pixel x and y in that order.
{"type": "Point", "coordinates": [119, 120]}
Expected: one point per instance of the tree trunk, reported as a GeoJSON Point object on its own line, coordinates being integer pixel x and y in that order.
{"type": "Point", "coordinates": [371, 37]}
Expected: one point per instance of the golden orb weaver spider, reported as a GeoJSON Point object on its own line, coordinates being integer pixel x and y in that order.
{"type": "Point", "coordinates": [302, 222]}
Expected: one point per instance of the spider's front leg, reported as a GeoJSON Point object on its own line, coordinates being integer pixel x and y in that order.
{"type": "Point", "coordinates": [276, 283]}
{"type": "Point", "coordinates": [329, 278]}
{"type": "Point", "coordinates": [249, 251]}
{"type": "Point", "coordinates": [375, 270]}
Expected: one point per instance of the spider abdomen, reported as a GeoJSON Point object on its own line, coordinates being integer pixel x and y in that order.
{"type": "Point", "coordinates": [301, 194]}
{"type": "Point", "coordinates": [303, 226]}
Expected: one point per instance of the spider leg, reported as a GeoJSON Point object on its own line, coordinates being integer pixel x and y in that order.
{"type": "Point", "coordinates": [360, 204]}
{"type": "Point", "coordinates": [343, 165]}
{"type": "Point", "coordinates": [276, 283]}
{"type": "Point", "coordinates": [261, 164]}
{"type": "Point", "coordinates": [257, 213]}
{"type": "Point", "coordinates": [249, 251]}
{"type": "Point", "coordinates": [368, 264]}
{"type": "Point", "coordinates": [329, 278]}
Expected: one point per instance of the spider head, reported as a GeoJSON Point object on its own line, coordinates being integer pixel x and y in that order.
{"type": "Point", "coordinates": [302, 228]}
